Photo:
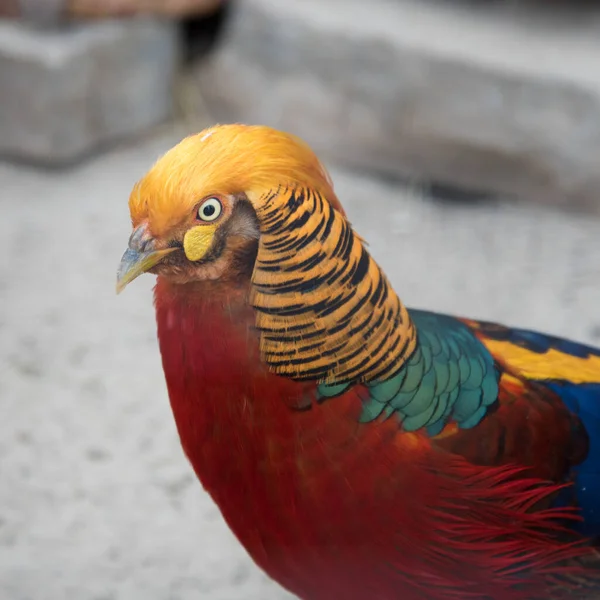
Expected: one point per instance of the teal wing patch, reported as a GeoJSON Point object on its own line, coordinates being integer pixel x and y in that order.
{"type": "Point", "coordinates": [450, 376]}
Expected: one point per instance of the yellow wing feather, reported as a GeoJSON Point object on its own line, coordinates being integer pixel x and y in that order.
{"type": "Point", "coordinates": [552, 364]}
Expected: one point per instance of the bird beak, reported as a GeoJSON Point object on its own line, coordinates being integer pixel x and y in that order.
{"type": "Point", "coordinates": [138, 258]}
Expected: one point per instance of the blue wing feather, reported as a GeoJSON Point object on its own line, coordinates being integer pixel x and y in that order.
{"type": "Point", "coordinates": [584, 401]}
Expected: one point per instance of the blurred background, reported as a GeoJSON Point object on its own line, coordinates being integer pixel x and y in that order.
{"type": "Point", "coordinates": [463, 138]}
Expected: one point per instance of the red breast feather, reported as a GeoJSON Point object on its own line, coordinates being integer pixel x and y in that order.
{"type": "Point", "coordinates": [334, 509]}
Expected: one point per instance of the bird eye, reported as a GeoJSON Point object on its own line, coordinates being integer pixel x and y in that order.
{"type": "Point", "coordinates": [210, 210]}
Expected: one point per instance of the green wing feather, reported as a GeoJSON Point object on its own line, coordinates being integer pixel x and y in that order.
{"type": "Point", "coordinates": [449, 376]}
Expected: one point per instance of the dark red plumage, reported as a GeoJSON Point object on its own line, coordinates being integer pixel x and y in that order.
{"type": "Point", "coordinates": [334, 509]}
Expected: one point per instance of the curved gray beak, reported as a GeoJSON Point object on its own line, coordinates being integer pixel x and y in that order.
{"type": "Point", "coordinates": [134, 263]}
{"type": "Point", "coordinates": [139, 258]}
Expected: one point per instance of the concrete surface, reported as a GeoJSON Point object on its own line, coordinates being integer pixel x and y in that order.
{"type": "Point", "coordinates": [494, 96]}
{"type": "Point", "coordinates": [67, 90]}
{"type": "Point", "coordinates": [97, 501]}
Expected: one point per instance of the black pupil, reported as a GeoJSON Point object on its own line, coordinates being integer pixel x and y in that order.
{"type": "Point", "coordinates": [209, 210]}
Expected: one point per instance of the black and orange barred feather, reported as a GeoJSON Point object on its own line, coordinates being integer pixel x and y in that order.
{"type": "Point", "coordinates": [324, 308]}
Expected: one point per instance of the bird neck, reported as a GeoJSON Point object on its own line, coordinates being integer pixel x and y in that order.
{"type": "Point", "coordinates": [222, 392]}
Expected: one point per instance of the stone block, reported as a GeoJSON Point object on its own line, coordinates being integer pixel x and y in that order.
{"type": "Point", "coordinates": [67, 91]}
{"type": "Point", "coordinates": [490, 97]}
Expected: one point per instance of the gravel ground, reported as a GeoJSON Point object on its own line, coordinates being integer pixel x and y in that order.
{"type": "Point", "coordinates": [97, 501]}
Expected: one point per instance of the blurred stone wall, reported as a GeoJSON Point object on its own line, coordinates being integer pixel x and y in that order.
{"type": "Point", "coordinates": [67, 91]}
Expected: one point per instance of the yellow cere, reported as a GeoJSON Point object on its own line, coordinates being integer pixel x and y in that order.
{"type": "Point", "coordinates": [549, 365]}
{"type": "Point", "coordinates": [198, 240]}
